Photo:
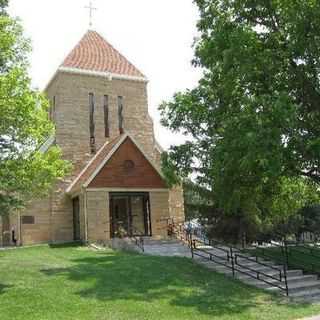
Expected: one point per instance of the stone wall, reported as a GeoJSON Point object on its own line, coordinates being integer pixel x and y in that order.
{"type": "Point", "coordinates": [176, 204]}
{"type": "Point", "coordinates": [71, 117]}
{"type": "Point", "coordinates": [71, 93]}
{"type": "Point", "coordinates": [82, 216]}
{"type": "Point", "coordinates": [54, 218]}
{"type": "Point", "coordinates": [98, 216]}
{"type": "Point", "coordinates": [159, 207]}
{"type": "Point", "coordinates": [40, 231]}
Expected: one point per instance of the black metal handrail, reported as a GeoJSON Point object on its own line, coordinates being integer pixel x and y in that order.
{"type": "Point", "coordinates": [312, 248]}
{"type": "Point", "coordinates": [181, 233]}
{"type": "Point", "coordinates": [230, 258]}
{"type": "Point", "coordinates": [286, 256]}
{"type": "Point", "coordinates": [195, 252]}
{"type": "Point", "coordinates": [231, 262]}
{"type": "Point", "coordinates": [282, 277]}
{"type": "Point", "coordinates": [297, 261]}
{"type": "Point", "coordinates": [265, 252]}
{"type": "Point", "coordinates": [138, 240]}
{"type": "Point", "coordinates": [230, 252]}
{"type": "Point", "coordinates": [261, 263]}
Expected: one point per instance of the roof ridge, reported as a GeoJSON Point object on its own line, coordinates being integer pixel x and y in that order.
{"type": "Point", "coordinates": [94, 157]}
{"type": "Point", "coordinates": [115, 49]}
{"type": "Point", "coordinates": [94, 53]}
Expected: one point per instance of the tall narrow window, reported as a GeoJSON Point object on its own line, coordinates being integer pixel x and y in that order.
{"type": "Point", "coordinates": [52, 109]}
{"type": "Point", "coordinates": [91, 110]}
{"type": "Point", "coordinates": [120, 113]}
{"type": "Point", "coordinates": [106, 116]}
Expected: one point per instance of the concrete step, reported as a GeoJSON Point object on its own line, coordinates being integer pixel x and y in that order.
{"type": "Point", "coordinates": [166, 248]}
{"type": "Point", "coordinates": [259, 268]}
{"type": "Point", "coordinates": [243, 267]}
{"type": "Point", "coordinates": [151, 242]}
{"type": "Point", "coordinates": [301, 287]}
{"type": "Point", "coordinates": [296, 279]}
{"type": "Point", "coordinates": [306, 294]}
{"type": "Point", "coordinates": [290, 274]}
{"type": "Point", "coordinates": [313, 298]}
{"type": "Point", "coordinates": [254, 265]}
{"type": "Point", "coordinates": [291, 281]}
{"type": "Point", "coordinates": [304, 286]}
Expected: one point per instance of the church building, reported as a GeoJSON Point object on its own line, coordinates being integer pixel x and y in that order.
{"type": "Point", "coordinates": [99, 106]}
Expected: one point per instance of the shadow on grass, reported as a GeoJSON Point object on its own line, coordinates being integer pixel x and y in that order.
{"type": "Point", "coordinates": [65, 245]}
{"type": "Point", "coordinates": [3, 288]}
{"type": "Point", "coordinates": [118, 276]}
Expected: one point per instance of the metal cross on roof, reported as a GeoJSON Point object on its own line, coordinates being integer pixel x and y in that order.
{"type": "Point", "coordinates": [91, 9]}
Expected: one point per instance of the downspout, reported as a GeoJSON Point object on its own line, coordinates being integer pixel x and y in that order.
{"type": "Point", "coordinates": [85, 216]}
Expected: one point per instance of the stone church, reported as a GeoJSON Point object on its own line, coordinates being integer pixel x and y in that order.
{"type": "Point", "coordinates": [116, 189]}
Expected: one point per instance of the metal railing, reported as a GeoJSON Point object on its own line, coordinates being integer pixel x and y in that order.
{"type": "Point", "coordinates": [281, 282]}
{"type": "Point", "coordinates": [291, 254]}
{"type": "Point", "coordinates": [139, 241]}
{"type": "Point", "coordinates": [133, 234]}
{"type": "Point", "coordinates": [230, 258]}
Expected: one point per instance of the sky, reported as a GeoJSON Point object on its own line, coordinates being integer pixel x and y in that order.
{"type": "Point", "coordinates": [155, 35]}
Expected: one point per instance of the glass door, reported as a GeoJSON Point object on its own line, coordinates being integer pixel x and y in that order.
{"type": "Point", "coordinates": [130, 214]}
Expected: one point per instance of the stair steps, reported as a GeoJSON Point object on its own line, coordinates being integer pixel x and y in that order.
{"type": "Point", "coordinates": [302, 287]}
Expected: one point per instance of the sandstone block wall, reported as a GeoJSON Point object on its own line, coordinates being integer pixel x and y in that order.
{"type": "Point", "coordinates": [159, 207]}
{"type": "Point", "coordinates": [54, 215]}
{"type": "Point", "coordinates": [40, 231]}
{"type": "Point", "coordinates": [98, 216]}
{"type": "Point", "coordinates": [176, 204]}
{"type": "Point", "coordinates": [71, 116]}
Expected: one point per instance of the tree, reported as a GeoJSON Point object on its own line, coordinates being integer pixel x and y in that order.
{"type": "Point", "coordinates": [254, 117]}
{"type": "Point", "coordinates": [25, 171]}
{"type": "Point", "coordinates": [198, 201]}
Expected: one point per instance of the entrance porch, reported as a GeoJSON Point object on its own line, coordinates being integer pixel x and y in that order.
{"type": "Point", "coordinates": [123, 193]}
{"type": "Point", "coordinates": [101, 215]}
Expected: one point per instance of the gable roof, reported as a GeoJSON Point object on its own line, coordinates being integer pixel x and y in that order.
{"type": "Point", "coordinates": [94, 53]}
{"type": "Point", "coordinates": [98, 162]}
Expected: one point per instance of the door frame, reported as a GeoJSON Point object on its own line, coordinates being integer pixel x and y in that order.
{"type": "Point", "coordinates": [146, 211]}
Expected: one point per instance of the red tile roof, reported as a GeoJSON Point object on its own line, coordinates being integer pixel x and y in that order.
{"type": "Point", "coordinates": [94, 53]}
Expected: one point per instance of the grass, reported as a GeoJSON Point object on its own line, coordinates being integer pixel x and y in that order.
{"type": "Point", "coordinates": [299, 257]}
{"type": "Point", "coordinates": [71, 282]}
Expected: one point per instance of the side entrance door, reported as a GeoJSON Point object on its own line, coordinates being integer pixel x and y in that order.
{"type": "Point", "coordinates": [130, 214]}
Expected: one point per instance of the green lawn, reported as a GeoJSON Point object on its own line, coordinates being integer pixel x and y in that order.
{"type": "Point", "coordinates": [299, 257]}
{"type": "Point", "coordinates": [77, 283]}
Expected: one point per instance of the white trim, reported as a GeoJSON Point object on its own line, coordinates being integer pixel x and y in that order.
{"type": "Point", "coordinates": [147, 157]}
{"type": "Point", "coordinates": [86, 167]}
{"type": "Point", "coordinates": [50, 81]}
{"type": "Point", "coordinates": [158, 146]}
{"type": "Point", "coordinates": [110, 76]}
{"type": "Point", "coordinates": [113, 150]}
{"type": "Point", "coordinates": [105, 160]}
{"type": "Point", "coordinates": [127, 189]}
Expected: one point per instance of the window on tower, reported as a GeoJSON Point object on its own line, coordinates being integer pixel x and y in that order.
{"type": "Point", "coordinates": [92, 127]}
{"type": "Point", "coordinates": [120, 114]}
{"type": "Point", "coordinates": [52, 109]}
{"type": "Point", "coordinates": [106, 116]}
